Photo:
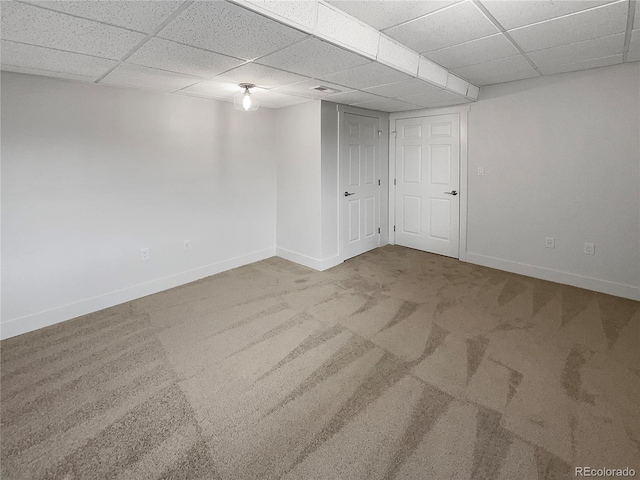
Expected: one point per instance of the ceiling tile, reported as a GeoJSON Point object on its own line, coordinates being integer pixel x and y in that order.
{"type": "Point", "coordinates": [398, 56]}
{"type": "Point", "coordinates": [572, 67]}
{"type": "Point", "coordinates": [599, 22]}
{"type": "Point", "coordinates": [313, 58]}
{"type": "Point", "coordinates": [525, 12]}
{"type": "Point", "coordinates": [46, 59]}
{"type": "Point", "coordinates": [302, 13]}
{"type": "Point", "coordinates": [271, 99]}
{"type": "Point", "coordinates": [412, 86]}
{"type": "Point", "coordinates": [496, 71]}
{"type": "Point", "coordinates": [428, 99]}
{"type": "Point", "coordinates": [167, 55]}
{"type": "Point", "coordinates": [336, 26]}
{"type": "Point", "coordinates": [382, 14]}
{"type": "Point", "coordinates": [217, 89]}
{"type": "Point", "coordinates": [226, 28]}
{"type": "Point", "coordinates": [387, 105]}
{"type": "Point", "coordinates": [432, 72]}
{"type": "Point", "coordinates": [349, 98]}
{"type": "Point", "coordinates": [264, 77]}
{"type": "Point", "coordinates": [457, 24]}
{"type": "Point", "coordinates": [45, 73]}
{"type": "Point", "coordinates": [143, 16]}
{"type": "Point", "coordinates": [578, 52]}
{"type": "Point", "coordinates": [476, 51]}
{"type": "Point", "coordinates": [304, 89]}
{"type": "Point", "coordinates": [634, 47]}
{"type": "Point", "coordinates": [366, 76]}
{"type": "Point", "coordinates": [457, 84]}
{"type": "Point", "coordinates": [126, 75]}
{"type": "Point", "coordinates": [37, 26]}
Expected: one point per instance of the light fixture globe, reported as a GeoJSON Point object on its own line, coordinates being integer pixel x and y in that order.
{"type": "Point", "coordinates": [245, 101]}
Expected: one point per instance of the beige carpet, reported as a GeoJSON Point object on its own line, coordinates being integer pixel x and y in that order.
{"type": "Point", "coordinates": [395, 365]}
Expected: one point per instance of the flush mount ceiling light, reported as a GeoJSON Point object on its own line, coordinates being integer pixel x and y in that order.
{"type": "Point", "coordinates": [245, 101]}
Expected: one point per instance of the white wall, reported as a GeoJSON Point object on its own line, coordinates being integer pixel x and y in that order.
{"type": "Point", "coordinates": [298, 183]}
{"type": "Point", "coordinates": [562, 158]}
{"type": "Point", "coordinates": [329, 183]}
{"type": "Point", "coordinates": [91, 174]}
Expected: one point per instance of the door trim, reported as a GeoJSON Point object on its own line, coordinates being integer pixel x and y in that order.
{"type": "Point", "coordinates": [383, 172]}
{"type": "Point", "coordinates": [463, 112]}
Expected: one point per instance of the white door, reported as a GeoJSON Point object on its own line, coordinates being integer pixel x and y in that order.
{"type": "Point", "coordinates": [359, 189]}
{"type": "Point", "coordinates": [427, 183]}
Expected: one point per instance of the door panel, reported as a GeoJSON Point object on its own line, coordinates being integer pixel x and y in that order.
{"type": "Point", "coordinates": [359, 177]}
{"type": "Point", "coordinates": [427, 171]}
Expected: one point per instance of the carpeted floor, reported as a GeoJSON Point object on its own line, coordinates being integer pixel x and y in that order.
{"type": "Point", "coordinates": [397, 364]}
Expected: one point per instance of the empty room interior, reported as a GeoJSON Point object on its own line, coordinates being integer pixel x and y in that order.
{"type": "Point", "coordinates": [309, 239]}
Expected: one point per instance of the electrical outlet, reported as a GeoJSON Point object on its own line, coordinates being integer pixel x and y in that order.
{"type": "Point", "coordinates": [144, 254]}
{"type": "Point", "coordinates": [589, 248]}
{"type": "Point", "coordinates": [187, 244]}
{"type": "Point", "coordinates": [480, 170]}
{"type": "Point", "coordinates": [550, 242]}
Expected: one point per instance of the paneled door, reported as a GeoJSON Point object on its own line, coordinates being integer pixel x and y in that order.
{"type": "Point", "coordinates": [427, 183]}
{"type": "Point", "coordinates": [359, 192]}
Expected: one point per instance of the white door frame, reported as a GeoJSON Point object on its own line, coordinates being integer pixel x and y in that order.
{"type": "Point", "coordinates": [463, 112]}
{"type": "Point", "coordinates": [383, 172]}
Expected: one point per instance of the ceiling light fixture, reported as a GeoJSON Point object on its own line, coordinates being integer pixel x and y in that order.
{"type": "Point", "coordinates": [245, 101]}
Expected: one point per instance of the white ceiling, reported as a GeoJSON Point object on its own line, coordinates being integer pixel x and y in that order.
{"type": "Point", "coordinates": [390, 55]}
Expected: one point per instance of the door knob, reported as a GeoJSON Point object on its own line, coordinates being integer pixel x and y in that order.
{"type": "Point", "coordinates": [346, 194]}
{"type": "Point", "coordinates": [452, 192]}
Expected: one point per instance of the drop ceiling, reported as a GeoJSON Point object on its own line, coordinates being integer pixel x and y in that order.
{"type": "Point", "coordinates": [390, 55]}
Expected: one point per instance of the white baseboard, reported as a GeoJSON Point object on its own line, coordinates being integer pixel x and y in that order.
{"type": "Point", "coordinates": [28, 323]}
{"type": "Point", "coordinates": [308, 261]}
{"type": "Point", "coordinates": [590, 283]}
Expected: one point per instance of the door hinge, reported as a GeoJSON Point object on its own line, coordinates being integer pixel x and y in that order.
{"type": "Point", "coordinates": [394, 181]}
{"type": "Point", "coordinates": [379, 133]}
{"type": "Point", "coordinates": [378, 182]}
{"type": "Point", "coordinates": [394, 228]}
{"type": "Point", "coordinates": [395, 134]}
{"type": "Point", "coordinates": [378, 229]}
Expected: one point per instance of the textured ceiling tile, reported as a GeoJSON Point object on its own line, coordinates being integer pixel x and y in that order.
{"type": "Point", "coordinates": [413, 86]}
{"type": "Point", "coordinates": [303, 13]}
{"type": "Point", "coordinates": [384, 13]}
{"type": "Point", "coordinates": [428, 99]}
{"type": "Point", "coordinates": [313, 58]}
{"type": "Point", "coordinates": [143, 16]}
{"type": "Point", "coordinates": [45, 73]}
{"type": "Point", "coordinates": [271, 99]}
{"type": "Point", "coordinates": [365, 76]}
{"type": "Point", "coordinates": [388, 105]}
{"type": "Point", "coordinates": [37, 26]}
{"type": "Point", "coordinates": [167, 55]}
{"type": "Point", "coordinates": [476, 51]}
{"type": "Point", "coordinates": [525, 12]}
{"type": "Point", "coordinates": [398, 56]}
{"type": "Point", "coordinates": [458, 24]}
{"type": "Point", "coordinates": [572, 67]}
{"type": "Point", "coordinates": [457, 84]}
{"type": "Point", "coordinates": [349, 98]}
{"type": "Point", "coordinates": [46, 59]}
{"type": "Point", "coordinates": [217, 89]}
{"type": "Point", "coordinates": [432, 72]}
{"type": "Point", "coordinates": [487, 73]}
{"type": "Point", "coordinates": [336, 26]}
{"type": "Point", "coordinates": [265, 77]}
{"type": "Point", "coordinates": [599, 22]}
{"type": "Point", "coordinates": [226, 28]}
{"type": "Point", "coordinates": [634, 47]}
{"type": "Point", "coordinates": [136, 76]}
{"type": "Point", "coordinates": [305, 89]}
{"type": "Point", "coordinates": [579, 52]}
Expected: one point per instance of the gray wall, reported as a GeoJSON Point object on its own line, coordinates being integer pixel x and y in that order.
{"type": "Point", "coordinates": [562, 158]}
{"type": "Point", "coordinates": [91, 174]}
